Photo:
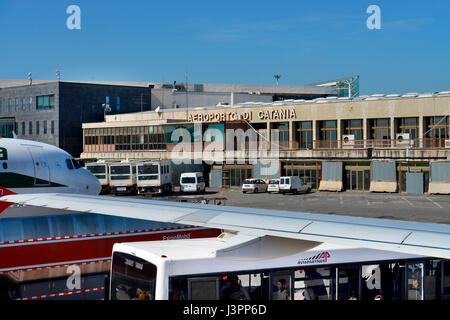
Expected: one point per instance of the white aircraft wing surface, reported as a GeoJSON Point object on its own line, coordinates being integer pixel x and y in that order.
{"type": "Point", "coordinates": [425, 239]}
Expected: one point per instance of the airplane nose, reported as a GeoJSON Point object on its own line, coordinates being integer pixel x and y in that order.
{"type": "Point", "coordinates": [95, 186]}
{"type": "Point", "coordinates": [91, 184]}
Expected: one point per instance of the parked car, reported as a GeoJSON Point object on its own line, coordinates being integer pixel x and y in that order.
{"type": "Point", "coordinates": [293, 184]}
{"type": "Point", "coordinates": [273, 186]}
{"type": "Point", "coordinates": [254, 185]}
{"type": "Point", "coordinates": [192, 182]}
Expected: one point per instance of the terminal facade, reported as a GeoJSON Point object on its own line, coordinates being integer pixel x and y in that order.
{"type": "Point", "coordinates": [380, 143]}
{"type": "Point", "coordinates": [52, 111]}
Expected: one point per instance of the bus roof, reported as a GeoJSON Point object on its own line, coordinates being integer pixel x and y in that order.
{"type": "Point", "coordinates": [201, 256]}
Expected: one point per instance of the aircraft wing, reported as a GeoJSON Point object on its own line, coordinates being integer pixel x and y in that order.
{"type": "Point", "coordinates": [425, 239]}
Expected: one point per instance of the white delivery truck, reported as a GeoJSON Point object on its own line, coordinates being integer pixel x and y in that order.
{"type": "Point", "coordinates": [293, 184]}
{"type": "Point", "coordinates": [122, 177]}
{"type": "Point", "coordinates": [192, 182]}
{"type": "Point", "coordinates": [154, 176]}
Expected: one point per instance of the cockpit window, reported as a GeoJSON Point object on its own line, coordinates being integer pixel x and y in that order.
{"type": "Point", "coordinates": [76, 165]}
{"type": "Point", "coordinates": [69, 164]}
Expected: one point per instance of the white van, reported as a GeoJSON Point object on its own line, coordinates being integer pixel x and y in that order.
{"type": "Point", "coordinates": [192, 182]}
{"type": "Point", "coordinates": [293, 184]}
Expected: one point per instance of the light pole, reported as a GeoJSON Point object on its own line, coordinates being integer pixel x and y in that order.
{"type": "Point", "coordinates": [277, 77]}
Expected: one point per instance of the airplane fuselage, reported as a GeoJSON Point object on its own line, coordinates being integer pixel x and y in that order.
{"type": "Point", "coordinates": [34, 167]}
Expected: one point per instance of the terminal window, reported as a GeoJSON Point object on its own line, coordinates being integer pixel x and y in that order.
{"type": "Point", "coordinates": [46, 102]}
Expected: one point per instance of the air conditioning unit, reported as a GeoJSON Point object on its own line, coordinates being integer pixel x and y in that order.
{"type": "Point", "coordinates": [403, 140]}
{"type": "Point", "coordinates": [447, 143]}
{"type": "Point", "coordinates": [348, 141]}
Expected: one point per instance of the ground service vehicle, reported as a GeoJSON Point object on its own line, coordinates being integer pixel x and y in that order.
{"type": "Point", "coordinates": [101, 171]}
{"type": "Point", "coordinates": [192, 182]}
{"type": "Point", "coordinates": [123, 177]}
{"type": "Point", "coordinates": [154, 176]}
{"type": "Point", "coordinates": [208, 269]}
{"type": "Point", "coordinates": [293, 184]}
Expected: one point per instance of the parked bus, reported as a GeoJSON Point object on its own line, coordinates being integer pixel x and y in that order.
{"type": "Point", "coordinates": [100, 170]}
{"type": "Point", "coordinates": [196, 269]}
{"type": "Point", "coordinates": [123, 177]}
{"type": "Point", "coordinates": [154, 176]}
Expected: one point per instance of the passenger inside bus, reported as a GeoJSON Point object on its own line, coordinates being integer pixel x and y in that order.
{"type": "Point", "coordinates": [281, 290]}
{"type": "Point", "coordinates": [233, 290]}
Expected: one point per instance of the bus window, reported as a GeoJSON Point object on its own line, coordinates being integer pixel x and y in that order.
{"type": "Point", "coordinates": [132, 278]}
{"type": "Point", "coordinates": [281, 284]}
{"type": "Point", "coordinates": [446, 282]}
{"type": "Point", "coordinates": [255, 287]}
{"type": "Point", "coordinates": [313, 284]}
{"type": "Point", "coordinates": [206, 288]}
{"type": "Point", "coordinates": [432, 280]}
{"type": "Point", "coordinates": [415, 281]}
{"type": "Point", "coordinates": [178, 289]}
{"type": "Point", "coordinates": [235, 287]}
{"type": "Point", "coordinates": [384, 280]}
{"type": "Point", "coordinates": [348, 283]}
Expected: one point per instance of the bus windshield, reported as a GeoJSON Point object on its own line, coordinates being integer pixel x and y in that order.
{"type": "Point", "coordinates": [148, 169]}
{"type": "Point", "coordinates": [132, 278]}
{"type": "Point", "coordinates": [97, 169]}
{"type": "Point", "coordinates": [120, 169]}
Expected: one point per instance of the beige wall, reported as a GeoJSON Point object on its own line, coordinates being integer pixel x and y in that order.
{"type": "Point", "coordinates": [398, 108]}
{"type": "Point", "coordinates": [346, 110]}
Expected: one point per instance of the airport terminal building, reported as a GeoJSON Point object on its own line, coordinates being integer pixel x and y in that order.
{"type": "Point", "coordinates": [380, 143]}
{"type": "Point", "coordinates": [53, 111]}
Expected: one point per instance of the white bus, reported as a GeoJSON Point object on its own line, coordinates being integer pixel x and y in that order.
{"type": "Point", "coordinates": [100, 170]}
{"type": "Point", "coordinates": [122, 177]}
{"type": "Point", "coordinates": [154, 176]}
{"type": "Point", "coordinates": [201, 269]}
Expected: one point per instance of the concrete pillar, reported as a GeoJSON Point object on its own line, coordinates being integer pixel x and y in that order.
{"type": "Point", "coordinates": [338, 133]}
{"type": "Point", "coordinates": [365, 130]}
{"type": "Point", "coordinates": [291, 134]}
{"type": "Point", "coordinates": [392, 127]}
{"type": "Point", "coordinates": [420, 136]}
{"type": "Point", "coordinates": [314, 133]}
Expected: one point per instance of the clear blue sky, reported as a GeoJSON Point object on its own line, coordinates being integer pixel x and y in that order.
{"type": "Point", "coordinates": [231, 42]}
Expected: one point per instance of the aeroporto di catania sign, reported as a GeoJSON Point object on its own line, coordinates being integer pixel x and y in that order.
{"type": "Point", "coordinates": [268, 114]}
